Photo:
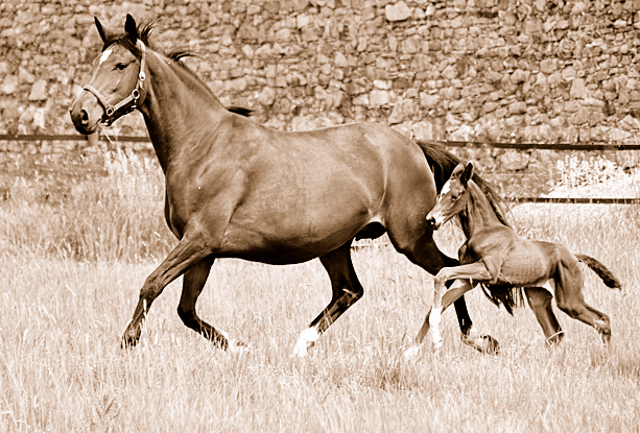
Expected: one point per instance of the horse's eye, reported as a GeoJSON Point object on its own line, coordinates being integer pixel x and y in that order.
{"type": "Point", "coordinates": [454, 197]}
{"type": "Point", "coordinates": [120, 66]}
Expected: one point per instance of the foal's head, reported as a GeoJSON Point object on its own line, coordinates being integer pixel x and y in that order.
{"type": "Point", "coordinates": [453, 198]}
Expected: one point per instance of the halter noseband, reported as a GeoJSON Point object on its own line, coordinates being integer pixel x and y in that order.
{"type": "Point", "coordinates": [128, 104]}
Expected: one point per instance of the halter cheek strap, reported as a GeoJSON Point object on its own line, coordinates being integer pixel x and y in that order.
{"type": "Point", "coordinates": [128, 104]}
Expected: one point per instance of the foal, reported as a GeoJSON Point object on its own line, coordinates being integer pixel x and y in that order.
{"type": "Point", "coordinates": [504, 263]}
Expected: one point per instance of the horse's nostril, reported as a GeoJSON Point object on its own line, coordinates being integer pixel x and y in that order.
{"type": "Point", "coordinates": [84, 117]}
{"type": "Point", "coordinates": [431, 221]}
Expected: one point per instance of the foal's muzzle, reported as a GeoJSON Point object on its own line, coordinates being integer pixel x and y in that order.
{"type": "Point", "coordinates": [433, 221]}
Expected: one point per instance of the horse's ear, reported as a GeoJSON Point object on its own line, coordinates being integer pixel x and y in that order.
{"type": "Point", "coordinates": [101, 30]}
{"type": "Point", "coordinates": [130, 29]}
{"type": "Point", "coordinates": [467, 174]}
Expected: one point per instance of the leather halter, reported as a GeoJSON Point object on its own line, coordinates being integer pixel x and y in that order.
{"type": "Point", "coordinates": [128, 104]}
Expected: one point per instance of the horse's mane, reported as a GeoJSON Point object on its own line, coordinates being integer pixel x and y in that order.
{"type": "Point", "coordinates": [143, 31]}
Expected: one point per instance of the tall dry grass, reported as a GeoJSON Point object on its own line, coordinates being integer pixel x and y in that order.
{"type": "Point", "coordinates": [109, 212]}
{"type": "Point", "coordinates": [68, 290]}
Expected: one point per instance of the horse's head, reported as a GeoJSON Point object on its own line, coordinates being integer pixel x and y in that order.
{"type": "Point", "coordinates": [453, 198]}
{"type": "Point", "coordinates": [116, 87]}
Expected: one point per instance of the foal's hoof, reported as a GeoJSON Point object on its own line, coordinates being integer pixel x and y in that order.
{"type": "Point", "coordinates": [482, 343]}
{"type": "Point", "coordinates": [413, 353]}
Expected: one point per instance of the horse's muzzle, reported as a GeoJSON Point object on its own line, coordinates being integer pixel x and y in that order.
{"type": "Point", "coordinates": [86, 113]}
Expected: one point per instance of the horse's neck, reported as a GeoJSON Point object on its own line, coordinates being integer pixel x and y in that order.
{"type": "Point", "coordinates": [177, 105]}
{"type": "Point", "coordinates": [479, 213]}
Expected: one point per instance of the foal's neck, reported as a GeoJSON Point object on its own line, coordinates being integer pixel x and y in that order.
{"type": "Point", "coordinates": [479, 213]}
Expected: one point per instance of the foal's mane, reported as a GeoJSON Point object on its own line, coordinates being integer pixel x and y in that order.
{"type": "Point", "coordinates": [498, 204]}
{"type": "Point", "coordinates": [143, 31]}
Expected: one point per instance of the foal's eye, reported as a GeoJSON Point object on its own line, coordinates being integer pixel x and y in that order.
{"type": "Point", "coordinates": [120, 66]}
{"type": "Point", "coordinates": [454, 197]}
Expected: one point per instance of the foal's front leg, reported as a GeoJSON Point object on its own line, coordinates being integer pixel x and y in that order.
{"type": "Point", "coordinates": [464, 274]}
{"type": "Point", "coordinates": [457, 290]}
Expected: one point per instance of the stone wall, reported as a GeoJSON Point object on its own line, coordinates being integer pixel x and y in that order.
{"type": "Point", "coordinates": [482, 70]}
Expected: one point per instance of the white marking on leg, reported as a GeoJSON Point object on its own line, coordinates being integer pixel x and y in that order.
{"type": "Point", "coordinates": [434, 324]}
{"type": "Point", "coordinates": [307, 338]}
{"type": "Point", "coordinates": [233, 346]}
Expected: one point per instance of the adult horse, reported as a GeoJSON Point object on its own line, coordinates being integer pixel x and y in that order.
{"type": "Point", "coordinates": [235, 188]}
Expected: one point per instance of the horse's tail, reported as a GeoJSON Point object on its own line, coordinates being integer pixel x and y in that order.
{"type": "Point", "coordinates": [510, 297]}
{"type": "Point", "coordinates": [603, 272]}
{"type": "Point", "coordinates": [441, 162]}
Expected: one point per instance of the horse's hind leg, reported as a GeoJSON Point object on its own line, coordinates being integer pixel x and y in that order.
{"type": "Point", "coordinates": [346, 291]}
{"type": "Point", "coordinates": [569, 299]}
{"type": "Point", "coordinates": [539, 299]}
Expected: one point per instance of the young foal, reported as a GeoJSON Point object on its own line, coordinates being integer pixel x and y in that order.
{"type": "Point", "coordinates": [504, 263]}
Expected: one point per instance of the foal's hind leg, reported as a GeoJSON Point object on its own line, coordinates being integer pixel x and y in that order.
{"type": "Point", "coordinates": [346, 291]}
{"type": "Point", "coordinates": [539, 299]}
{"type": "Point", "coordinates": [569, 299]}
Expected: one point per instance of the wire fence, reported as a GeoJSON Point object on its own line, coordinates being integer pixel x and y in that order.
{"type": "Point", "coordinates": [584, 147]}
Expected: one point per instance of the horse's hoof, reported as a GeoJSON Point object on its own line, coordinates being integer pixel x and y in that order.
{"type": "Point", "coordinates": [482, 343]}
{"type": "Point", "coordinates": [129, 341]}
{"type": "Point", "coordinates": [301, 350]}
{"type": "Point", "coordinates": [231, 345]}
{"type": "Point", "coordinates": [437, 345]}
{"type": "Point", "coordinates": [238, 347]}
{"type": "Point", "coordinates": [307, 339]}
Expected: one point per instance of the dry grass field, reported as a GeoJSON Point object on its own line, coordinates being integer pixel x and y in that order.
{"type": "Point", "coordinates": [74, 252]}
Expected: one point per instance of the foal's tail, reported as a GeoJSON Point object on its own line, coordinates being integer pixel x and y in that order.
{"type": "Point", "coordinates": [603, 272]}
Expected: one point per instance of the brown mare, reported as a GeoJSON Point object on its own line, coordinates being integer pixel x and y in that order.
{"type": "Point", "coordinates": [236, 188]}
{"type": "Point", "coordinates": [494, 256]}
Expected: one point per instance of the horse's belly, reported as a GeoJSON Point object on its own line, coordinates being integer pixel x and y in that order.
{"type": "Point", "coordinates": [288, 242]}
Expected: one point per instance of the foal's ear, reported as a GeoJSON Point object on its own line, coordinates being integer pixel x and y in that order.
{"type": "Point", "coordinates": [467, 174]}
{"type": "Point", "coordinates": [101, 30]}
{"type": "Point", "coordinates": [130, 29]}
